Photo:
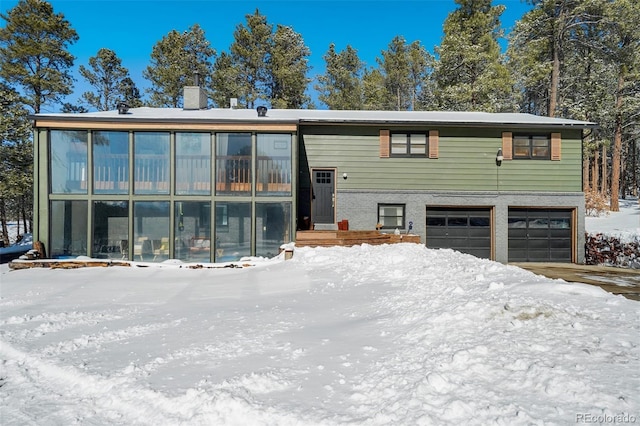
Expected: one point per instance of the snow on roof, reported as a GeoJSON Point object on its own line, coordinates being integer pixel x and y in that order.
{"type": "Point", "coordinates": [302, 116]}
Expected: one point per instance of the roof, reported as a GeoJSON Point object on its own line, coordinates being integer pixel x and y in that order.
{"type": "Point", "coordinates": [310, 116]}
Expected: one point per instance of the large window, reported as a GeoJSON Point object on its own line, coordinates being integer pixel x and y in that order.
{"type": "Point", "coordinates": [273, 172]}
{"type": "Point", "coordinates": [68, 154]}
{"type": "Point", "coordinates": [273, 227]}
{"type": "Point", "coordinates": [151, 159]}
{"type": "Point", "coordinates": [409, 144]}
{"type": "Point", "coordinates": [68, 229]}
{"type": "Point", "coordinates": [233, 231]}
{"type": "Point", "coordinates": [233, 163]}
{"type": "Point", "coordinates": [111, 229]}
{"type": "Point", "coordinates": [110, 162]}
{"type": "Point", "coordinates": [532, 147]}
{"type": "Point", "coordinates": [193, 163]}
{"type": "Point", "coordinates": [193, 231]}
{"type": "Point", "coordinates": [150, 231]}
{"type": "Point", "coordinates": [391, 216]}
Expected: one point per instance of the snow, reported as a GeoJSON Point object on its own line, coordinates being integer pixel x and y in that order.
{"type": "Point", "coordinates": [364, 335]}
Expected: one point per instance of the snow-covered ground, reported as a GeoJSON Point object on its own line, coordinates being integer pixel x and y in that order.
{"type": "Point", "coordinates": [367, 335]}
{"type": "Point", "coordinates": [624, 224]}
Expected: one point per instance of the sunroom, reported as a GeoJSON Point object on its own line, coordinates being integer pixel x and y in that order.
{"type": "Point", "coordinates": [155, 194]}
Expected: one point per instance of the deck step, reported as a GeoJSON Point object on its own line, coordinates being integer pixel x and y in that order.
{"type": "Point", "coordinates": [317, 238]}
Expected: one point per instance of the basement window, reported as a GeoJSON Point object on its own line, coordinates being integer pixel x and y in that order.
{"type": "Point", "coordinates": [391, 216]}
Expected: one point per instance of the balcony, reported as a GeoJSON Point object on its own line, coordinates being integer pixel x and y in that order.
{"type": "Point", "coordinates": [193, 175]}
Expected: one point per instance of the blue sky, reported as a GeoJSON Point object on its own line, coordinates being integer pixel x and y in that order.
{"type": "Point", "coordinates": [131, 28]}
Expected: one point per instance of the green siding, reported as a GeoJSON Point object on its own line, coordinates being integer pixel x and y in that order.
{"type": "Point", "coordinates": [466, 162]}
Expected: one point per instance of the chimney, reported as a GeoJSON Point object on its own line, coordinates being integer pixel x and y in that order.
{"type": "Point", "coordinates": [195, 96]}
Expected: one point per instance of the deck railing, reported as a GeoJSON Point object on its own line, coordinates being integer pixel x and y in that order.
{"type": "Point", "coordinates": [193, 174]}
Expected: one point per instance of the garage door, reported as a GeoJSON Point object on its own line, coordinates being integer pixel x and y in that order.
{"type": "Point", "coordinates": [467, 230]}
{"type": "Point", "coordinates": [540, 235]}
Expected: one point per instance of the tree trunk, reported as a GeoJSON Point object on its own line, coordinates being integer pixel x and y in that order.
{"type": "Point", "coordinates": [634, 167]}
{"type": "Point", "coordinates": [24, 218]}
{"type": "Point", "coordinates": [586, 161]}
{"type": "Point", "coordinates": [595, 171]}
{"type": "Point", "coordinates": [3, 219]}
{"type": "Point", "coordinates": [604, 185]}
{"type": "Point", "coordinates": [617, 148]}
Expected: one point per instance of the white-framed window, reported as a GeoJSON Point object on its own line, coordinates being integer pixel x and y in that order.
{"type": "Point", "coordinates": [391, 216]}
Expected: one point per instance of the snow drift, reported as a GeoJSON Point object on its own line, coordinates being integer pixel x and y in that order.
{"type": "Point", "coordinates": [392, 334]}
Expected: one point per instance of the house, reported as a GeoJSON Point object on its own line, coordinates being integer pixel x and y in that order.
{"type": "Point", "coordinates": [205, 185]}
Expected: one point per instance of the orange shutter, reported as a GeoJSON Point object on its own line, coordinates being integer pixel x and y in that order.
{"type": "Point", "coordinates": [384, 144]}
{"type": "Point", "coordinates": [433, 143]}
{"type": "Point", "coordinates": [556, 139]}
{"type": "Point", "coordinates": [507, 145]}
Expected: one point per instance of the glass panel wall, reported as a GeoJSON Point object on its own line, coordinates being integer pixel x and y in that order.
{"type": "Point", "coordinates": [110, 162]}
{"type": "Point", "coordinates": [68, 159]}
{"type": "Point", "coordinates": [273, 227]}
{"type": "Point", "coordinates": [151, 160]}
{"type": "Point", "coordinates": [150, 231]}
{"type": "Point", "coordinates": [193, 163]}
{"type": "Point", "coordinates": [193, 231]}
{"type": "Point", "coordinates": [110, 230]}
{"type": "Point", "coordinates": [233, 163]}
{"type": "Point", "coordinates": [68, 229]}
{"type": "Point", "coordinates": [233, 231]}
{"type": "Point", "coordinates": [273, 172]}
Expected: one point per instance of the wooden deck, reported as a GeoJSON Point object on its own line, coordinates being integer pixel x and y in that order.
{"type": "Point", "coordinates": [350, 238]}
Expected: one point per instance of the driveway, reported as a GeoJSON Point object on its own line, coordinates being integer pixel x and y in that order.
{"type": "Point", "coordinates": [614, 280]}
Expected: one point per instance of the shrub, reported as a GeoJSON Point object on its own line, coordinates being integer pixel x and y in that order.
{"type": "Point", "coordinates": [596, 203]}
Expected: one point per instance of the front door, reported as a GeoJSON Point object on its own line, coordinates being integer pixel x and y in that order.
{"type": "Point", "coordinates": [323, 200]}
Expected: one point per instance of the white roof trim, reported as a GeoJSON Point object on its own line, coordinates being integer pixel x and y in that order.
{"type": "Point", "coordinates": [322, 117]}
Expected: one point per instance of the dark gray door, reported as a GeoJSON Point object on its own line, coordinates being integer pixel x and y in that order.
{"type": "Point", "coordinates": [323, 203]}
{"type": "Point", "coordinates": [540, 235]}
{"type": "Point", "coordinates": [467, 230]}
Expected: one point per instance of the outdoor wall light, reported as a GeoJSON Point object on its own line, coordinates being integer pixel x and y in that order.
{"type": "Point", "coordinates": [344, 176]}
{"type": "Point", "coordinates": [499, 157]}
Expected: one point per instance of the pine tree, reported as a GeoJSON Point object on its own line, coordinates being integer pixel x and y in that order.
{"type": "Point", "coordinates": [341, 87]}
{"type": "Point", "coordinates": [33, 52]}
{"type": "Point", "coordinates": [288, 68]}
{"type": "Point", "coordinates": [250, 52]}
{"type": "Point", "coordinates": [406, 70]}
{"type": "Point", "coordinates": [225, 82]}
{"type": "Point", "coordinates": [109, 78]}
{"type": "Point", "coordinates": [374, 92]}
{"type": "Point", "coordinates": [470, 73]}
{"type": "Point", "coordinates": [622, 45]}
{"type": "Point", "coordinates": [130, 93]}
{"type": "Point", "coordinates": [174, 61]}
{"type": "Point", "coordinates": [538, 46]}
{"type": "Point", "coordinates": [16, 160]}
{"type": "Point", "coordinates": [394, 66]}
